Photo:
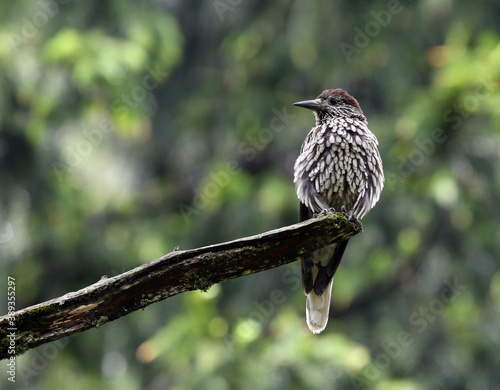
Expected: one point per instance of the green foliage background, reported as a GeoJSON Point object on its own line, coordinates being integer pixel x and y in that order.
{"type": "Point", "coordinates": [130, 128]}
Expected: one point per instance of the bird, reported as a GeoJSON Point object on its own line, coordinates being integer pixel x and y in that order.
{"type": "Point", "coordinates": [339, 168]}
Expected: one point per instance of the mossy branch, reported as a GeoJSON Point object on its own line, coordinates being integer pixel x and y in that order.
{"type": "Point", "coordinates": [172, 274]}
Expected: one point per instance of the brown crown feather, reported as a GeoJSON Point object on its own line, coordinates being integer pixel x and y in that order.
{"type": "Point", "coordinates": [341, 96]}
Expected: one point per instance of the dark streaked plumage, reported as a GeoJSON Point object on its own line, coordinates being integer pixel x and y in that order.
{"type": "Point", "coordinates": [339, 165]}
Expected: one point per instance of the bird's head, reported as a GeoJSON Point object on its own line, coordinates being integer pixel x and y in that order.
{"type": "Point", "coordinates": [331, 103]}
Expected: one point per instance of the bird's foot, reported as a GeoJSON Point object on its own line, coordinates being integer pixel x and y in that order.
{"type": "Point", "coordinates": [324, 212]}
{"type": "Point", "coordinates": [350, 216]}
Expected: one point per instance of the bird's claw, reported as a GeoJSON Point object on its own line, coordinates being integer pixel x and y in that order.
{"type": "Point", "coordinates": [350, 216]}
{"type": "Point", "coordinates": [324, 212]}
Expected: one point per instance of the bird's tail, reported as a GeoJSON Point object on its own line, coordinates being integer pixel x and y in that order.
{"type": "Point", "coordinates": [317, 309]}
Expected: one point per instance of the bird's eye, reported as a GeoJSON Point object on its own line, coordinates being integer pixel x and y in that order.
{"type": "Point", "coordinates": [332, 100]}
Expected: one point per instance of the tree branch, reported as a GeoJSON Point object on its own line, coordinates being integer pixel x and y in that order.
{"type": "Point", "coordinates": [172, 274]}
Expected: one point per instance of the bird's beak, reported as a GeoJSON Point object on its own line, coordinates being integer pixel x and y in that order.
{"type": "Point", "coordinates": [315, 104]}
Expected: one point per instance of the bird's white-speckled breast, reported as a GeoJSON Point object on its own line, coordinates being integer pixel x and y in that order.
{"type": "Point", "coordinates": [339, 164]}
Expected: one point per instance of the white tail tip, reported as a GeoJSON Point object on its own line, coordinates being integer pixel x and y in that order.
{"type": "Point", "coordinates": [318, 308]}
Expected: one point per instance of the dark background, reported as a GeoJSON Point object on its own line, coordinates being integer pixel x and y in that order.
{"type": "Point", "coordinates": [128, 128]}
